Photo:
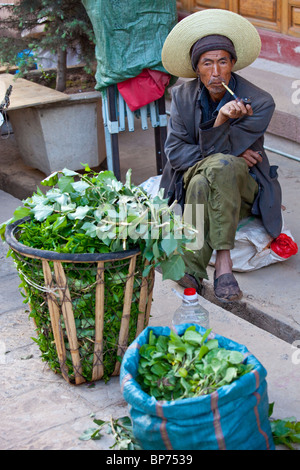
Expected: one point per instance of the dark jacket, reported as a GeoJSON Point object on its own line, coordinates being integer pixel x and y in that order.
{"type": "Point", "coordinates": [188, 142]}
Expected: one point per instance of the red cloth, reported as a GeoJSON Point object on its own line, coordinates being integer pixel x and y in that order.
{"type": "Point", "coordinates": [284, 246]}
{"type": "Point", "coordinates": [146, 87]}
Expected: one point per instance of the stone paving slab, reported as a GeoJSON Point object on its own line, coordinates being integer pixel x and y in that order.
{"type": "Point", "coordinates": [40, 410]}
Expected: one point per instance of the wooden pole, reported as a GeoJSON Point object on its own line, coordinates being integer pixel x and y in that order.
{"type": "Point", "coordinates": [67, 310]}
{"type": "Point", "coordinates": [124, 328]}
{"type": "Point", "coordinates": [149, 302]}
{"type": "Point", "coordinates": [55, 321]}
{"type": "Point", "coordinates": [98, 368]}
{"type": "Point", "coordinates": [142, 304]}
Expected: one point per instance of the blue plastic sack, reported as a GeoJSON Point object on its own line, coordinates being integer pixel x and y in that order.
{"type": "Point", "coordinates": [235, 417]}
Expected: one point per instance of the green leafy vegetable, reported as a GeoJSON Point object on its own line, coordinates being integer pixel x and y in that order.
{"type": "Point", "coordinates": [175, 367]}
{"type": "Point", "coordinates": [94, 213]}
{"type": "Point", "coordinates": [285, 431]}
{"type": "Point", "coordinates": [121, 430]}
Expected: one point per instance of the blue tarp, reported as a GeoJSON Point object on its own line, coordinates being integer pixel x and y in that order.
{"type": "Point", "coordinates": [129, 36]}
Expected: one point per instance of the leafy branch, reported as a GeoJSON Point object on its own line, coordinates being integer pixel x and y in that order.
{"type": "Point", "coordinates": [121, 430]}
{"type": "Point", "coordinates": [97, 213]}
{"type": "Point", "coordinates": [175, 367]}
{"type": "Point", "coordinates": [285, 431]}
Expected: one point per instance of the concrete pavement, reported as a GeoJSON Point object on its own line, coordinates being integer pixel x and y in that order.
{"type": "Point", "coordinates": [282, 81]}
{"type": "Point", "coordinates": [271, 294]}
{"type": "Point", "coordinates": [40, 411]}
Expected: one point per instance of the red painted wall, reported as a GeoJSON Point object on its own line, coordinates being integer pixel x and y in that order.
{"type": "Point", "coordinates": [280, 48]}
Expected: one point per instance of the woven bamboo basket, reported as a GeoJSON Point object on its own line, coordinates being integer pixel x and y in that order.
{"type": "Point", "coordinates": [53, 284]}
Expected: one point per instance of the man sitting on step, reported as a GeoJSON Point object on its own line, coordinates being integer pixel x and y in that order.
{"type": "Point", "coordinates": [214, 147]}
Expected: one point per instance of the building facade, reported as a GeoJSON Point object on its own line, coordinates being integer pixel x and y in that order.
{"type": "Point", "coordinates": [277, 21]}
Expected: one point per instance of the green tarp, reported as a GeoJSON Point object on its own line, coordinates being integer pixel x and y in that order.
{"type": "Point", "coordinates": [129, 36]}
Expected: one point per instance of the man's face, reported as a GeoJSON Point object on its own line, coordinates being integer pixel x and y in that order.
{"type": "Point", "coordinates": [214, 67]}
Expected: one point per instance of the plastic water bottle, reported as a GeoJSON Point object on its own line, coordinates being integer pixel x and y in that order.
{"type": "Point", "coordinates": [190, 310]}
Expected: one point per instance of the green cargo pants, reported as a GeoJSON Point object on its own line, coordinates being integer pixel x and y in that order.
{"type": "Point", "coordinates": [223, 185]}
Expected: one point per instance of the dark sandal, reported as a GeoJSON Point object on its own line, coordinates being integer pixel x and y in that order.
{"type": "Point", "coordinates": [226, 288]}
{"type": "Point", "coordinates": [189, 281]}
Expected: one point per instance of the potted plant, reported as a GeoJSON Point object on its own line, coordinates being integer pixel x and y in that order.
{"type": "Point", "coordinates": [86, 251]}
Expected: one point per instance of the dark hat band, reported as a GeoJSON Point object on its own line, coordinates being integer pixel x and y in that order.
{"type": "Point", "coordinates": [212, 42]}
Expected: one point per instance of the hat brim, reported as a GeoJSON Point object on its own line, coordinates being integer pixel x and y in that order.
{"type": "Point", "coordinates": [176, 49]}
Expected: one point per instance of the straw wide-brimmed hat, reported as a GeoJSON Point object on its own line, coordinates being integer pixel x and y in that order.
{"type": "Point", "coordinates": [176, 49]}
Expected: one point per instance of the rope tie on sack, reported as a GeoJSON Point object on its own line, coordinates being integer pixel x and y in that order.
{"type": "Point", "coordinates": [48, 290]}
{"type": "Point", "coordinates": [54, 290]}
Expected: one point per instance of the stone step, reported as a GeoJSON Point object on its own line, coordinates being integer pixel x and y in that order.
{"type": "Point", "coordinates": [282, 81]}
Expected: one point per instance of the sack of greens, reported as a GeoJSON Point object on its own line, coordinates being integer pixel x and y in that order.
{"type": "Point", "coordinates": [195, 390]}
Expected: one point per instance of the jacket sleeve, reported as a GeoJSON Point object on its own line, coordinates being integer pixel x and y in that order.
{"type": "Point", "coordinates": [236, 135]}
{"type": "Point", "coordinates": [181, 149]}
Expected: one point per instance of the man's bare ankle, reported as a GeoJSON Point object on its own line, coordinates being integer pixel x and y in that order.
{"type": "Point", "coordinates": [223, 264]}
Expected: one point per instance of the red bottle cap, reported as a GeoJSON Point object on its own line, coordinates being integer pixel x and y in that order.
{"type": "Point", "coordinates": [189, 291]}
